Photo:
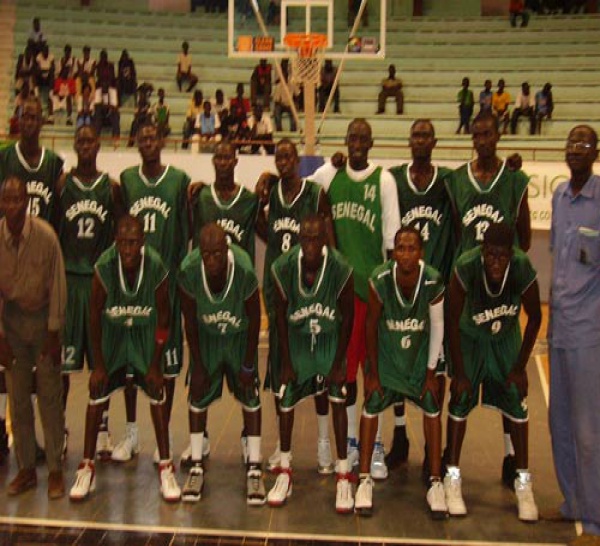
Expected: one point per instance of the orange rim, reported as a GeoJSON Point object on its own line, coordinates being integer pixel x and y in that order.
{"type": "Point", "coordinates": [306, 44]}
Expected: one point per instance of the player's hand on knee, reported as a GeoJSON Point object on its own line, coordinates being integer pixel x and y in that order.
{"type": "Point", "coordinates": [154, 381]}
{"type": "Point", "coordinates": [460, 386]}
{"type": "Point", "coordinates": [372, 386]}
{"type": "Point", "coordinates": [520, 380]}
{"type": "Point", "coordinates": [337, 375]}
{"type": "Point", "coordinates": [338, 160]}
{"type": "Point", "coordinates": [98, 382]}
{"type": "Point", "coordinates": [430, 385]}
{"type": "Point", "coordinates": [6, 354]}
{"type": "Point", "coordinates": [514, 162]}
{"type": "Point", "coordinates": [288, 375]}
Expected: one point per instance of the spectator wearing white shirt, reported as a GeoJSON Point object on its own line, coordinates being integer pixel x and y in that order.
{"type": "Point", "coordinates": [261, 129]}
{"type": "Point", "coordinates": [282, 104]}
{"type": "Point", "coordinates": [184, 68]}
{"type": "Point", "coordinates": [524, 106]}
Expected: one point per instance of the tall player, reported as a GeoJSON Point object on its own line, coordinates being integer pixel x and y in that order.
{"type": "Point", "coordinates": [486, 191]}
{"type": "Point", "coordinates": [489, 285]}
{"type": "Point", "coordinates": [314, 298]}
{"type": "Point", "coordinates": [221, 306]}
{"type": "Point", "coordinates": [157, 195]}
{"type": "Point", "coordinates": [364, 204]}
{"type": "Point", "coordinates": [89, 203]}
{"type": "Point", "coordinates": [129, 316]}
{"type": "Point", "coordinates": [40, 169]}
{"type": "Point", "coordinates": [284, 202]}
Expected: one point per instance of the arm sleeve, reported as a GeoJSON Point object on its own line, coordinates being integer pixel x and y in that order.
{"type": "Point", "coordinates": [390, 213]}
{"type": "Point", "coordinates": [324, 175]}
{"type": "Point", "coordinates": [436, 333]}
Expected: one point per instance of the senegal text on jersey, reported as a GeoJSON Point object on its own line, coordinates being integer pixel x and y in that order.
{"type": "Point", "coordinates": [495, 313]}
{"type": "Point", "coordinates": [314, 309]}
{"type": "Point", "coordinates": [406, 325]}
{"type": "Point", "coordinates": [150, 202]}
{"type": "Point", "coordinates": [483, 210]}
{"type": "Point", "coordinates": [221, 316]}
{"type": "Point", "coordinates": [129, 311]}
{"type": "Point", "coordinates": [354, 211]}
{"type": "Point", "coordinates": [231, 227]}
{"type": "Point", "coordinates": [39, 189]}
{"type": "Point", "coordinates": [416, 213]}
{"type": "Point", "coordinates": [286, 224]}
{"type": "Point", "coordinates": [87, 206]}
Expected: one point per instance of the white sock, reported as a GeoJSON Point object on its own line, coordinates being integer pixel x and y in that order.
{"type": "Point", "coordinates": [524, 475]}
{"type": "Point", "coordinates": [343, 466]}
{"type": "Point", "coordinates": [378, 436]}
{"type": "Point", "coordinates": [196, 441]}
{"type": "Point", "coordinates": [352, 421]}
{"type": "Point", "coordinates": [104, 422]}
{"type": "Point", "coordinates": [508, 445]}
{"type": "Point", "coordinates": [3, 399]}
{"type": "Point", "coordinates": [453, 471]}
{"type": "Point", "coordinates": [323, 426]}
{"type": "Point", "coordinates": [131, 428]}
{"type": "Point", "coordinates": [254, 449]}
{"type": "Point", "coordinates": [286, 459]}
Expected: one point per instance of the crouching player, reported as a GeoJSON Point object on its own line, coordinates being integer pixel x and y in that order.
{"type": "Point", "coordinates": [129, 326]}
{"type": "Point", "coordinates": [405, 330]}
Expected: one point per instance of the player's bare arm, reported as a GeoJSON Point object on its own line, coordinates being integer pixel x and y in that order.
{"type": "Point", "coordinates": [374, 310]}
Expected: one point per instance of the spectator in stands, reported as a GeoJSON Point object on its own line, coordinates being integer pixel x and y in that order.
{"type": "Point", "coordinates": [64, 85]}
{"type": "Point", "coordinates": [274, 12]}
{"type": "Point", "coordinates": [500, 103]}
{"type": "Point", "coordinates": [239, 106]}
{"type": "Point", "coordinates": [143, 112]}
{"type": "Point", "coordinates": [25, 92]}
{"type": "Point", "coordinates": [516, 8]}
{"type": "Point", "coordinates": [328, 73]}
{"type": "Point", "coordinates": [260, 83]}
{"type": "Point", "coordinates": [44, 78]}
{"type": "Point", "coordinates": [86, 70]}
{"type": "Point", "coordinates": [282, 103]}
{"type": "Point", "coordinates": [105, 72]}
{"type": "Point", "coordinates": [85, 107]}
{"type": "Point", "coordinates": [485, 97]}
{"type": "Point", "coordinates": [25, 69]}
{"type": "Point", "coordinates": [209, 128]}
{"type": "Point", "coordinates": [161, 113]}
{"type": "Point", "coordinates": [260, 129]}
{"type": "Point", "coordinates": [466, 103]}
{"type": "Point", "coordinates": [36, 37]}
{"type": "Point", "coordinates": [184, 68]}
{"type": "Point", "coordinates": [228, 125]}
{"type": "Point", "coordinates": [106, 110]}
{"type": "Point", "coordinates": [219, 104]}
{"type": "Point", "coordinates": [126, 77]}
{"type": "Point", "coordinates": [391, 87]}
{"type": "Point", "coordinates": [524, 106]}
{"type": "Point", "coordinates": [192, 117]}
{"type": "Point", "coordinates": [544, 105]}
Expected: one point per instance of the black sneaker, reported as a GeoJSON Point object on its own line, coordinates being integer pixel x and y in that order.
{"type": "Point", "coordinates": [509, 471]}
{"type": "Point", "coordinates": [400, 446]}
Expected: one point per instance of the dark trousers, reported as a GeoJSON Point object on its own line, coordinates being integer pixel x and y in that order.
{"type": "Point", "coordinates": [517, 113]}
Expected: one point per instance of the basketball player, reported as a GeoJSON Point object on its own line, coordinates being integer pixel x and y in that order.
{"type": "Point", "coordinates": [284, 202]}
{"type": "Point", "coordinates": [89, 203]}
{"type": "Point", "coordinates": [314, 302]}
{"type": "Point", "coordinates": [40, 169]}
{"type": "Point", "coordinates": [487, 289]}
{"type": "Point", "coordinates": [130, 328]}
{"type": "Point", "coordinates": [157, 195]}
{"type": "Point", "coordinates": [486, 191]}
{"type": "Point", "coordinates": [221, 307]}
{"type": "Point", "coordinates": [364, 204]}
{"type": "Point", "coordinates": [405, 330]}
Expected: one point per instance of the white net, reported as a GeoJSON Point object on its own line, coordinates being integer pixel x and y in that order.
{"type": "Point", "coordinates": [307, 70]}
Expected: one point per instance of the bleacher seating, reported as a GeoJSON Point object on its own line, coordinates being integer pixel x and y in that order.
{"type": "Point", "coordinates": [431, 57]}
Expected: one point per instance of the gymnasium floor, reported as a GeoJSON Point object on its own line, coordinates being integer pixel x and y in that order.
{"type": "Point", "coordinates": [127, 508]}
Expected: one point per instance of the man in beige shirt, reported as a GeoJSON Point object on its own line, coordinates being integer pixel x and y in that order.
{"type": "Point", "coordinates": [391, 87]}
{"type": "Point", "coordinates": [33, 297]}
{"type": "Point", "coordinates": [184, 68]}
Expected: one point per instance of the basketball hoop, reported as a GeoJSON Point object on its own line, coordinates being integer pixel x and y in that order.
{"type": "Point", "coordinates": [306, 64]}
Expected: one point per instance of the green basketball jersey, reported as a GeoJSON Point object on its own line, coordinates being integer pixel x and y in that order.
{"type": "Point", "coordinates": [403, 330]}
{"type": "Point", "coordinates": [130, 314]}
{"type": "Point", "coordinates": [488, 314]}
{"type": "Point", "coordinates": [237, 216]}
{"type": "Point", "coordinates": [40, 180]}
{"type": "Point", "coordinates": [284, 226]}
{"type": "Point", "coordinates": [479, 205]}
{"type": "Point", "coordinates": [87, 222]}
{"type": "Point", "coordinates": [430, 212]}
{"type": "Point", "coordinates": [162, 206]}
{"type": "Point", "coordinates": [312, 313]}
{"type": "Point", "coordinates": [356, 211]}
{"type": "Point", "coordinates": [221, 314]}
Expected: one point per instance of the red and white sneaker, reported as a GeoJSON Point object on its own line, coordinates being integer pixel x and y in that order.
{"type": "Point", "coordinates": [282, 489]}
{"type": "Point", "coordinates": [85, 481]}
{"type": "Point", "coordinates": [344, 496]}
{"type": "Point", "coordinates": [169, 488]}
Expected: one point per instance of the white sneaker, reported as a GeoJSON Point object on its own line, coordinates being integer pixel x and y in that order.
{"type": "Point", "coordinates": [128, 446]}
{"type": "Point", "coordinates": [192, 490]}
{"type": "Point", "coordinates": [363, 501]}
{"type": "Point", "coordinates": [344, 498]}
{"type": "Point", "coordinates": [436, 499]}
{"type": "Point", "coordinates": [168, 484]}
{"type": "Point", "coordinates": [282, 488]}
{"type": "Point", "coordinates": [528, 510]}
{"type": "Point", "coordinates": [156, 455]}
{"type": "Point", "coordinates": [379, 470]}
{"type": "Point", "coordinates": [453, 491]}
{"type": "Point", "coordinates": [85, 482]}
{"type": "Point", "coordinates": [255, 487]}
{"type": "Point", "coordinates": [104, 446]}
{"type": "Point", "coordinates": [274, 462]}
{"type": "Point", "coordinates": [324, 460]}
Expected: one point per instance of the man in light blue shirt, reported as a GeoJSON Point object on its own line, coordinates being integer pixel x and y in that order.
{"type": "Point", "coordinates": [574, 333]}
